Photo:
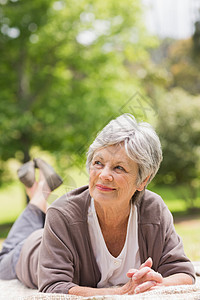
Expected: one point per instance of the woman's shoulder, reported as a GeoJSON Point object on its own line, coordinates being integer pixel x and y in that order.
{"type": "Point", "coordinates": [152, 208]}
{"type": "Point", "coordinates": [73, 203]}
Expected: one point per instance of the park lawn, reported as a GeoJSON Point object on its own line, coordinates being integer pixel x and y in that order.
{"type": "Point", "coordinates": [172, 197]}
{"type": "Point", "coordinates": [12, 202]}
{"type": "Point", "coordinates": [188, 230]}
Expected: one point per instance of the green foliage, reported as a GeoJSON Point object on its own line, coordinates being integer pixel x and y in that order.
{"type": "Point", "coordinates": [63, 71]}
{"type": "Point", "coordinates": [178, 126]}
{"type": "Point", "coordinates": [184, 66]}
{"type": "Point", "coordinates": [175, 90]}
{"type": "Point", "coordinates": [178, 61]}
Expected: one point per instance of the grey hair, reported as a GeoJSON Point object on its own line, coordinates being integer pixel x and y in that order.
{"type": "Point", "coordinates": [140, 140]}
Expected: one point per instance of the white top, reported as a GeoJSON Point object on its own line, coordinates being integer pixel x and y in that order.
{"type": "Point", "coordinates": [113, 269]}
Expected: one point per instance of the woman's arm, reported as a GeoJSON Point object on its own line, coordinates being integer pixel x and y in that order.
{"type": "Point", "coordinates": [140, 281]}
{"type": "Point", "coordinates": [144, 278]}
{"type": "Point", "coordinates": [129, 288]}
{"type": "Point", "coordinates": [178, 279]}
{"type": "Point", "coordinates": [87, 291]}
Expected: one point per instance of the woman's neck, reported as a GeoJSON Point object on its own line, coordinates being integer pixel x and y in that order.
{"type": "Point", "coordinates": [112, 217]}
{"type": "Point", "coordinates": [113, 223]}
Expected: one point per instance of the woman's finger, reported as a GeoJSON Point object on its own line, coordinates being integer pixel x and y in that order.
{"type": "Point", "coordinates": [131, 272]}
{"type": "Point", "coordinates": [156, 287]}
{"type": "Point", "coordinates": [144, 287]}
{"type": "Point", "coordinates": [141, 273]}
{"type": "Point", "coordinates": [147, 263]}
{"type": "Point", "coordinates": [152, 275]}
{"type": "Point", "coordinates": [147, 274]}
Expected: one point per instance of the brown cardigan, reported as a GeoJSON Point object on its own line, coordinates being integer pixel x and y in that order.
{"type": "Point", "coordinates": [65, 258]}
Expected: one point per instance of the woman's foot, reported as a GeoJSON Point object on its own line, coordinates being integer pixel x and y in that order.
{"type": "Point", "coordinates": [39, 193]}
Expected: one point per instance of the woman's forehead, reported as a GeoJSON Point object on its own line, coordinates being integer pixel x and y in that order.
{"type": "Point", "coordinates": [116, 153]}
{"type": "Point", "coordinates": [111, 150]}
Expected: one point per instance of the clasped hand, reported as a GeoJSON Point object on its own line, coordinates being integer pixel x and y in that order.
{"type": "Point", "coordinates": [143, 279]}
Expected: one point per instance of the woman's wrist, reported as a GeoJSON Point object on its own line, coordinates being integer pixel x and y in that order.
{"type": "Point", "coordinates": [89, 292]}
{"type": "Point", "coordinates": [178, 279]}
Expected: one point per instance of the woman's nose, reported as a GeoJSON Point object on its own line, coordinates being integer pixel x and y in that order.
{"type": "Point", "coordinates": [106, 174]}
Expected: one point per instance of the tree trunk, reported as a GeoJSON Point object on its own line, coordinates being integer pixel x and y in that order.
{"type": "Point", "coordinates": [26, 155]}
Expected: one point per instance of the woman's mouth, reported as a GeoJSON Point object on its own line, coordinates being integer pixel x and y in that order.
{"type": "Point", "coordinates": [104, 188]}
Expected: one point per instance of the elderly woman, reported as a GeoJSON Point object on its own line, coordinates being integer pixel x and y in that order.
{"type": "Point", "coordinates": [111, 237]}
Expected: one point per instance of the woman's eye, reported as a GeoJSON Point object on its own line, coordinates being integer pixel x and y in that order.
{"type": "Point", "coordinates": [98, 163]}
{"type": "Point", "coordinates": [119, 168]}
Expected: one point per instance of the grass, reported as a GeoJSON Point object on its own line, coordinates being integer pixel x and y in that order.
{"type": "Point", "coordinates": [12, 202]}
{"type": "Point", "coordinates": [174, 198]}
{"type": "Point", "coordinates": [188, 229]}
{"type": "Point", "coordinates": [171, 197]}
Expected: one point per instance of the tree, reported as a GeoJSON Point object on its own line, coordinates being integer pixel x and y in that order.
{"type": "Point", "coordinates": [178, 126]}
{"type": "Point", "coordinates": [63, 70]}
{"type": "Point", "coordinates": [179, 60]}
{"type": "Point", "coordinates": [196, 39]}
{"type": "Point", "coordinates": [184, 66]}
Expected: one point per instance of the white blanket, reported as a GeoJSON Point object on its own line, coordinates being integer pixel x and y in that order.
{"type": "Point", "coordinates": [15, 290]}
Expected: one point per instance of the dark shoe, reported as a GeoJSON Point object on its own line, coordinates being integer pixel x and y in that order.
{"type": "Point", "coordinates": [52, 178]}
{"type": "Point", "coordinates": [26, 173]}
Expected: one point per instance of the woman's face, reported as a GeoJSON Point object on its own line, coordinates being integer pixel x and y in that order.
{"type": "Point", "coordinates": [113, 176]}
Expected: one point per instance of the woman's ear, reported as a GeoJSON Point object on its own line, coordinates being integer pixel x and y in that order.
{"type": "Point", "coordinates": [143, 184]}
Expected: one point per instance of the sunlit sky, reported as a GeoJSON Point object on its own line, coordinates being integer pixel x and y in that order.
{"type": "Point", "coordinates": [172, 18]}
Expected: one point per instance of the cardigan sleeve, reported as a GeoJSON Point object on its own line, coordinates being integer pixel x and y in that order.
{"type": "Point", "coordinates": [56, 257]}
{"type": "Point", "coordinates": [173, 259]}
{"type": "Point", "coordinates": [158, 239]}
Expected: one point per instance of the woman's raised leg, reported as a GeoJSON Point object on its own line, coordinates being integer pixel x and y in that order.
{"type": "Point", "coordinates": [31, 219]}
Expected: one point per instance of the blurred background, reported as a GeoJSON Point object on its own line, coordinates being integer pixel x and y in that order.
{"type": "Point", "coordinates": [68, 67]}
